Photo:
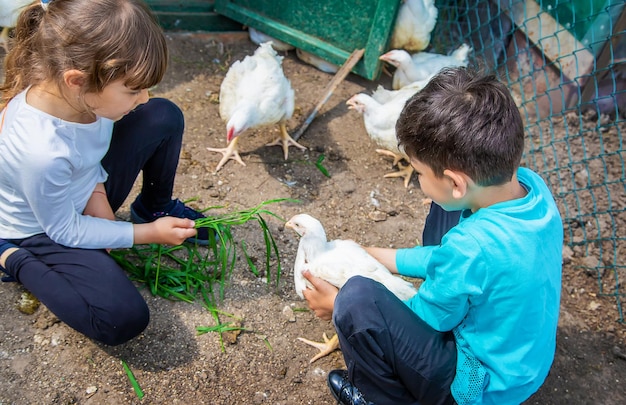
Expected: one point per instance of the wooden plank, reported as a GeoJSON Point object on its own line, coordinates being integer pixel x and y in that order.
{"type": "Point", "coordinates": [605, 58]}
{"type": "Point", "coordinates": [328, 29]}
{"type": "Point", "coordinates": [559, 45]}
{"type": "Point", "coordinates": [338, 78]}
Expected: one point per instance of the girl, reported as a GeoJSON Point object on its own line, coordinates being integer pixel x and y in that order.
{"type": "Point", "coordinates": [77, 127]}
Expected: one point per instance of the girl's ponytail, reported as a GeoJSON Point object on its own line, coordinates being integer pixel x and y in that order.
{"type": "Point", "coordinates": [19, 62]}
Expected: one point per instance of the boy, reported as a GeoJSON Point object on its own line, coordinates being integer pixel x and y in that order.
{"type": "Point", "coordinates": [482, 327]}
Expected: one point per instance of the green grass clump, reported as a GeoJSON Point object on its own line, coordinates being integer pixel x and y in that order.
{"type": "Point", "coordinates": [187, 271]}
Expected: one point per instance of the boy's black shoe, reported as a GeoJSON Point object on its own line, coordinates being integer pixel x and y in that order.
{"type": "Point", "coordinates": [342, 389]}
{"type": "Point", "coordinates": [140, 215]}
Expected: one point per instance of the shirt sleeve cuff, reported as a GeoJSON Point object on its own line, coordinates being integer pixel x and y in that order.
{"type": "Point", "coordinates": [412, 262]}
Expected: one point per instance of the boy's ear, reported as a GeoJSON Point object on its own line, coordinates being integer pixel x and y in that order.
{"type": "Point", "coordinates": [458, 182]}
{"type": "Point", "coordinates": [74, 78]}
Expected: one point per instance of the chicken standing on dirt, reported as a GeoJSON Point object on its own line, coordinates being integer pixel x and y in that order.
{"type": "Point", "coordinates": [336, 261]}
{"type": "Point", "coordinates": [255, 93]}
{"type": "Point", "coordinates": [380, 112]}
{"type": "Point", "coordinates": [422, 65]}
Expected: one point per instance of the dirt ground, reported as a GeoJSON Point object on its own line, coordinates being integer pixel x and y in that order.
{"type": "Point", "coordinates": [42, 361]}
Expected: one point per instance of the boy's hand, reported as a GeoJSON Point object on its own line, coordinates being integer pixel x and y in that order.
{"type": "Point", "coordinates": [321, 298]}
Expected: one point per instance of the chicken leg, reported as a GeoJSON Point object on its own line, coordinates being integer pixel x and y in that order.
{"type": "Point", "coordinates": [396, 157]}
{"type": "Point", "coordinates": [405, 171]}
{"type": "Point", "coordinates": [285, 141]}
{"type": "Point", "coordinates": [230, 152]}
{"type": "Point", "coordinates": [325, 348]}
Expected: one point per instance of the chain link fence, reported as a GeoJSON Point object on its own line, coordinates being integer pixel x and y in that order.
{"type": "Point", "coordinates": [565, 63]}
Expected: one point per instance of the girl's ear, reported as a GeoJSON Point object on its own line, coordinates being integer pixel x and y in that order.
{"type": "Point", "coordinates": [74, 79]}
{"type": "Point", "coordinates": [458, 182]}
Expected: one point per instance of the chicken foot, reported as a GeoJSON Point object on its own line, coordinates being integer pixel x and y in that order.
{"type": "Point", "coordinates": [230, 152]}
{"type": "Point", "coordinates": [285, 141]}
{"type": "Point", "coordinates": [325, 348]}
{"type": "Point", "coordinates": [405, 171]}
{"type": "Point", "coordinates": [396, 157]}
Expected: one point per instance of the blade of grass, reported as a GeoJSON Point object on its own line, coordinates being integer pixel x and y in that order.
{"type": "Point", "coordinates": [189, 271]}
{"type": "Point", "coordinates": [321, 167]}
{"type": "Point", "coordinates": [251, 264]}
{"type": "Point", "coordinates": [133, 380]}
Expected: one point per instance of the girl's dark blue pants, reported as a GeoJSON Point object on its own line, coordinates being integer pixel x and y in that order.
{"type": "Point", "coordinates": [393, 356]}
{"type": "Point", "coordinates": [86, 288]}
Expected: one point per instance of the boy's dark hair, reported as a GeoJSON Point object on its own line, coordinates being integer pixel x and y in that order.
{"type": "Point", "coordinates": [466, 121]}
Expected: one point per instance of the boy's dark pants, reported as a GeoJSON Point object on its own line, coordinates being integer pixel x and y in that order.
{"type": "Point", "coordinates": [394, 357]}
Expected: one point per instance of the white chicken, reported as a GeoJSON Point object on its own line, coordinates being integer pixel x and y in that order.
{"type": "Point", "coordinates": [255, 93]}
{"type": "Point", "coordinates": [380, 112]}
{"type": "Point", "coordinates": [415, 21]}
{"type": "Point", "coordinates": [336, 261]}
{"type": "Point", "coordinates": [9, 12]}
{"type": "Point", "coordinates": [259, 37]}
{"type": "Point", "coordinates": [422, 65]}
{"type": "Point", "coordinates": [316, 61]}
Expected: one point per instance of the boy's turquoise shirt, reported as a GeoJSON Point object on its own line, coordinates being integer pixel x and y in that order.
{"type": "Point", "coordinates": [495, 281]}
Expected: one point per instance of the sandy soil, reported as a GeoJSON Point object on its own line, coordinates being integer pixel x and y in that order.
{"type": "Point", "coordinates": [42, 361]}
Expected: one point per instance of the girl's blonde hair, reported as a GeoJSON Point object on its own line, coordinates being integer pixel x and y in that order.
{"type": "Point", "coordinates": [106, 40]}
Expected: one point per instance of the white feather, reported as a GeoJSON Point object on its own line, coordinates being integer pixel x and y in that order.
{"type": "Point", "coordinates": [338, 260]}
{"type": "Point", "coordinates": [422, 65]}
{"type": "Point", "coordinates": [255, 91]}
{"type": "Point", "coordinates": [259, 37]}
{"type": "Point", "coordinates": [381, 111]}
{"type": "Point", "coordinates": [414, 24]}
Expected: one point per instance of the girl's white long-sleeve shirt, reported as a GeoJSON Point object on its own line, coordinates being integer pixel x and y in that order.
{"type": "Point", "coordinates": [48, 170]}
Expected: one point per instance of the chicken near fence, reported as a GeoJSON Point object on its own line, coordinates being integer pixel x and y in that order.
{"type": "Point", "coordinates": [422, 65]}
{"type": "Point", "coordinates": [380, 112]}
{"type": "Point", "coordinates": [415, 21]}
{"type": "Point", "coordinates": [9, 12]}
{"type": "Point", "coordinates": [259, 37]}
{"type": "Point", "coordinates": [336, 261]}
{"type": "Point", "coordinates": [255, 93]}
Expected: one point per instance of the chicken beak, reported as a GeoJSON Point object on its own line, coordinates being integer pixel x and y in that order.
{"type": "Point", "coordinates": [386, 57]}
{"type": "Point", "coordinates": [291, 226]}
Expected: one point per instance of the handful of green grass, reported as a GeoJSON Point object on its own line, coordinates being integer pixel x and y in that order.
{"type": "Point", "coordinates": [187, 271]}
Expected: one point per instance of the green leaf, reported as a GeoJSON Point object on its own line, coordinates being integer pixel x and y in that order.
{"type": "Point", "coordinates": [133, 380]}
{"type": "Point", "coordinates": [320, 167]}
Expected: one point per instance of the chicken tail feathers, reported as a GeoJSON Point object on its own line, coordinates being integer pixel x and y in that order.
{"type": "Point", "coordinates": [461, 53]}
{"type": "Point", "coordinates": [400, 287]}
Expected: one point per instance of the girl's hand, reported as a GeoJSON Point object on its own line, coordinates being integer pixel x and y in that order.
{"type": "Point", "coordinates": [321, 298]}
{"type": "Point", "coordinates": [165, 230]}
